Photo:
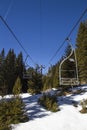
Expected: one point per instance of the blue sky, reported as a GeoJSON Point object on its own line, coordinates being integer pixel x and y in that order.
{"type": "Point", "coordinates": [40, 25]}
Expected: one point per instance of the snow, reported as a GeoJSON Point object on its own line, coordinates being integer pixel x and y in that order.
{"type": "Point", "coordinates": [68, 118]}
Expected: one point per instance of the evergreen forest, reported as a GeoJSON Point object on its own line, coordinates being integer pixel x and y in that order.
{"type": "Point", "coordinates": [12, 69]}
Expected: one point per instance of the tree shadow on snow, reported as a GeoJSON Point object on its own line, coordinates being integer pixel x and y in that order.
{"type": "Point", "coordinates": [68, 100]}
{"type": "Point", "coordinates": [33, 109]}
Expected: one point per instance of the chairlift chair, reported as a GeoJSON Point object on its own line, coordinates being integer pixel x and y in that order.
{"type": "Point", "coordinates": [69, 80]}
{"type": "Point", "coordinates": [26, 75]}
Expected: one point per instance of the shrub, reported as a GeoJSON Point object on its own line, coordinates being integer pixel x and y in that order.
{"type": "Point", "coordinates": [4, 127]}
{"type": "Point", "coordinates": [84, 106]}
{"type": "Point", "coordinates": [49, 102]}
{"type": "Point", "coordinates": [11, 112]}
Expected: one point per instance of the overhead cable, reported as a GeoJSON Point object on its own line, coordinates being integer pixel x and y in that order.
{"type": "Point", "coordinates": [71, 31]}
{"type": "Point", "coordinates": [8, 9]}
{"type": "Point", "coordinates": [11, 31]}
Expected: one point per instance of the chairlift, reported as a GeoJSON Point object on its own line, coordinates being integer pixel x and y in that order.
{"type": "Point", "coordinates": [73, 79]}
{"type": "Point", "coordinates": [26, 74]}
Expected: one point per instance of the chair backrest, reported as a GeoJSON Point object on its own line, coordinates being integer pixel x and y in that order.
{"type": "Point", "coordinates": [72, 75]}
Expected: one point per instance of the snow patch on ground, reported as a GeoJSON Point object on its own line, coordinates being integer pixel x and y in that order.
{"type": "Point", "coordinates": [68, 118]}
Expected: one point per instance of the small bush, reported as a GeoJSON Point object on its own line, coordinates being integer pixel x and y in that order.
{"type": "Point", "coordinates": [11, 112]}
{"type": "Point", "coordinates": [49, 102]}
{"type": "Point", "coordinates": [84, 106]}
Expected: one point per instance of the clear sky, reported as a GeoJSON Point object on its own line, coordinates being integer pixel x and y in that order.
{"type": "Point", "coordinates": [40, 25]}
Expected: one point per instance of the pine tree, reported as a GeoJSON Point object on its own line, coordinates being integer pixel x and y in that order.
{"type": "Point", "coordinates": [17, 87]}
{"type": "Point", "coordinates": [9, 70]}
{"type": "Point", "coordinates": [12, 111]}
{"type": "Point", "coordinates": [19, 65]}
{"type": "Point", "coordinates": [51, 80]}
{"type": "Point", "coordinates": [47, 82]}
{"type": "Point", "coordinates": [82, 52]}
{"type": "Point", "coordinates": [20, 68]}
{"type": "Point", "coordinates": [3, 87]}
{"type": "Point", "coordinates": [56, 76]}
{"type": "Point", "coordinates": [35, 84]}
